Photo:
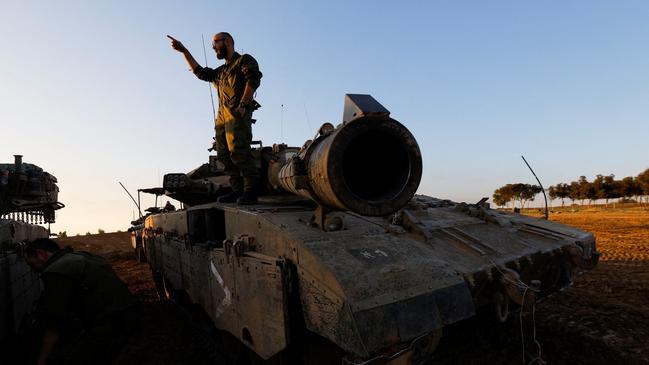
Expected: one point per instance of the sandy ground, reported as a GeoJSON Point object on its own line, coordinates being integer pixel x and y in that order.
{"type": "Point", "coordinates": [602, 319]}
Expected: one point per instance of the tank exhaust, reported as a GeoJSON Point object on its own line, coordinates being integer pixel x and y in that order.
{"type": "Point", "coordinates": [18, 163]}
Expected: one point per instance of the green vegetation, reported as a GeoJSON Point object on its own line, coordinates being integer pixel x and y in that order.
{"type": "Point", "coordinates": [628, 189]}
{"type": "Point", "coordinates": [512, 193]}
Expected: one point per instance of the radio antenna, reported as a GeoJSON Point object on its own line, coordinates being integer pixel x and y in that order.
{"type": "Point", "coordinates": [208, 85]}
{"type": "Point", "coordinates": [281, 125]}
{"type": "Point", "coordinates": [133, 199]}
{"type": "Point", "coordinates": [306, 113]}
{"type": "Point", "coordinates": [541, 185]}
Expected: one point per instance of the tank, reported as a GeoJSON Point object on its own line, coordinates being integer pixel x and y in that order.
{"type": "Point", "coordinates": [28, 197]}
{"type": "Point", "coordinates": [341, 261]}
{"type": "Point", "coordinates": [137, 226]}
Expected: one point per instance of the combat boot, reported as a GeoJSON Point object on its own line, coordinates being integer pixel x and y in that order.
{"type": "Point", "coordinates": [230, 197]}
{"type": "Point", "coordinates": [247, 198]}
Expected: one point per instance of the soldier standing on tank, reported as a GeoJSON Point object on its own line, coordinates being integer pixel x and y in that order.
{"type": "Point", "coordinates": [85, 312]}
{"type": "Point", "coordinates": [235, 82]}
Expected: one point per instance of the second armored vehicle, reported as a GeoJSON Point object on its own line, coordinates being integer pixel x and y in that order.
{"type": "Point", "coordinates": [28, 196]}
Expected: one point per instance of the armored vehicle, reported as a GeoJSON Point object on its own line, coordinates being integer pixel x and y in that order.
{"type": "Point", "coordinates": [340, 262]}
{"type": "Point", "coordinates": [28, 196]}
{"type": "Point", "coordinates": [137, 226]}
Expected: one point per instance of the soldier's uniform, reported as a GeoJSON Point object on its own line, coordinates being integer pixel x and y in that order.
{"type": "Point", "coordinates": [88, 305]}
{"type": "Point", "coordinates": [234, 131]}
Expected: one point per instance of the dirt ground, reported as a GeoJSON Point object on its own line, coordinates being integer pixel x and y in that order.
{"type": "Point", "coordinates": [602, 319]}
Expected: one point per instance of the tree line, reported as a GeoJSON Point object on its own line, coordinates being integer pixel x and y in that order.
{"type": "Point", "coordinates": [605, 187]}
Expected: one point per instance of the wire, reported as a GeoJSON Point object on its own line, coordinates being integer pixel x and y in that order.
{"type": "Point", "coordinates": [208, 85]}
{"type": "Point", "coordinates": [538, 359]}
{"type": "Point", "coordinates": [306, 113]}
{"type": "Point", "coordinates": [521, 284]}
{"type": "Point", "coordinates": [520, 319]}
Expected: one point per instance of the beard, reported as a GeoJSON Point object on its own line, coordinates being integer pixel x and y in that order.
{"type": "Point", "coordinates": [222, 52]}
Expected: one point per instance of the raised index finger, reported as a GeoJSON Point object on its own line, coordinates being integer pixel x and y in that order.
{"type": "Point", "coordinates": [172, 38]}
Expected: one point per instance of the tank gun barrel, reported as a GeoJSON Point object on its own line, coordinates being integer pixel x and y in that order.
{"type": "Point", "coordinates": [370, 164]}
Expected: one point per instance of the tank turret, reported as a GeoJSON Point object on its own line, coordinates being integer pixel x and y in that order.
{"type": "Point", "coordinates": [28, 193]}
{"type": "Point", "coordinates": [369, 164]}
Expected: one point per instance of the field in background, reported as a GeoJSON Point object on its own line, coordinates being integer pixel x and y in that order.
{"type": "Point", "coordinates": [602, 319]}
{"type": "Point", "coordinates": [622, 232]}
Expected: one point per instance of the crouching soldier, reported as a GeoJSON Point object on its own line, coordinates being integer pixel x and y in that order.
{"type": "Point", "coordinates": [85, 312]}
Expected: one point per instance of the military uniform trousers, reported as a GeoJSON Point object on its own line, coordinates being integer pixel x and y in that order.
{"type": "Point", "coordinates": [233, 138]}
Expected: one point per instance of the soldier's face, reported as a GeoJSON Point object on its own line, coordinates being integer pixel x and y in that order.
{"type": "Point", "coordinates": [37, 262]}
{"type": "Point", "coordinates": [220, 46]}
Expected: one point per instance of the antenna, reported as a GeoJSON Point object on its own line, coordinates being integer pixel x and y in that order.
{"type": "Point", "coordinates": [208, 85]}
{"type": "Point", "coordinates": [133, 199]}
{"type": "Point", "coordinates": [541, 185]}
{"type": "Point", "coordinates": [306, 113]}
{"type": "Point", "coordinates": [281, 125]}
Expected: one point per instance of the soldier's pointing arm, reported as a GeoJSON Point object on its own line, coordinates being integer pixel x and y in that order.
{"type": "Point", "coordinates": [202, 73]}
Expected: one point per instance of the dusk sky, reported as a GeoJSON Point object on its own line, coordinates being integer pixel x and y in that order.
{"type": "Point", "coordinates": [93, 93]}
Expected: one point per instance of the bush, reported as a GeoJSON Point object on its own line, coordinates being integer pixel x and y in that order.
{"type": "Point", "coordinates": [63, 234]}
{"type": "Point", "coordinates": [101, 231]}
{"type": "Point", "coordinates": [88, 233]}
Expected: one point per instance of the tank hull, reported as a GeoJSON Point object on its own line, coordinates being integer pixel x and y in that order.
{"type": "Point", "coordinates": [371, 288]}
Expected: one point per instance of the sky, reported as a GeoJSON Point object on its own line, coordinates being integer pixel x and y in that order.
{"type": "Point", "coordinates": [93, 93]}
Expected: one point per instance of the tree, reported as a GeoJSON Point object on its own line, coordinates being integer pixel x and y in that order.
{"type": "Point", "coordinates": [606, 187]}
{"type": "Point", "coordinates": [498, 199]}
{"type": "Point", "coordinates": [629, 187]}
{"type": "Point", "coordinates": [503, 195]}
{"type": "Point", "coordinates": [101, 231]}
{"type": "Point", "coordinates": [559, 191]}
{"type": "Point", "coordinates": [62, 234]}
{"type": "Point", "coordinates": [552, 193]}
{"type": "Point", "coordinates": [525, 193]}
{"type": "Point", "coordinates": [586, 190]}
{"type": "Point", "coordinates": [574, 191]}
{"type": "Point", "coordinates": [643, 181]}
{"type": "Point", "coordinates": [562, 191]}
{"type": "Point", "coordinates": [598, 187]}
{"type": "Point", "coordinates": [611, 188]}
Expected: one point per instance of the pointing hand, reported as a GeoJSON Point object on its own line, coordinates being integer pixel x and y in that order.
{"type": "Point", "coordinates": [176, 44]}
